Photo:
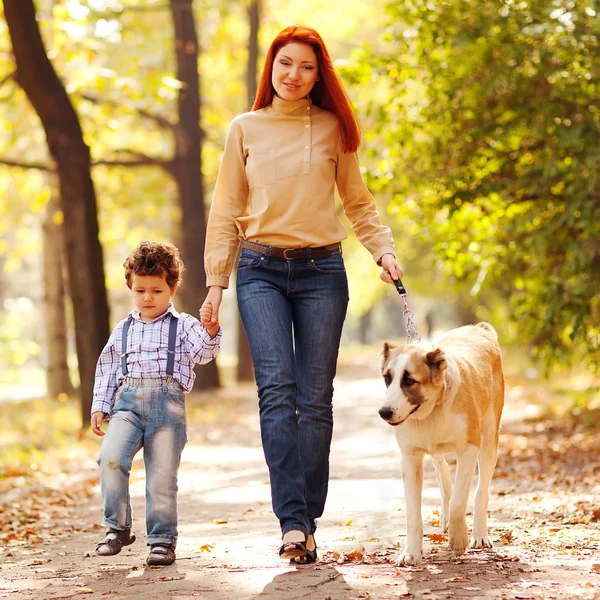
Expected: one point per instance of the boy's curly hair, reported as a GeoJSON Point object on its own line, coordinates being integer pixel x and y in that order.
{"type": "Point", "coordinates": [153, 258]}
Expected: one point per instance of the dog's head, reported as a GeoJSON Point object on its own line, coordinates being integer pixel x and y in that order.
{"type": "Point", "coordinates": [414, 378]}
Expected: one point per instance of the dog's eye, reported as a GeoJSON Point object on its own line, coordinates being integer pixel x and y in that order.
{"type": "Point", "coordinates": [408, 381]}
{"type": "Point", "coordinates": [388, 379]}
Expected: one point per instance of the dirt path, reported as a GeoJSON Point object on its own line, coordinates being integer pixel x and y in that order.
{"type": "Point", "coordinates": [544, 514]}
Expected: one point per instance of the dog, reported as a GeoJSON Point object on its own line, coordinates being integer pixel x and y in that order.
{"type": "Point", "coordinates": [446, 398]}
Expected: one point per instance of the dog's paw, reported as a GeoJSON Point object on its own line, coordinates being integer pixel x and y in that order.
{"type": "Point", "coordinates": [408, 560]}
{"type": "Point", "coordinates": [481, 542]}
{"type": "Point", "coordinates": [458, 537]}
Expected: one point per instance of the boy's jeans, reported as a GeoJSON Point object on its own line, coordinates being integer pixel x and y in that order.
{"type": "Point", "coordinates": [148, 413]}
{"type": "Point", "coordinates": [293, 312]}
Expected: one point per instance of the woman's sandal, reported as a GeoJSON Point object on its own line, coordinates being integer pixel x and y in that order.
{"type": "Point", "coordinates": [113, 541]}
{"type": "Point", "coordinates": [292, 550]}
{"type": "Point", "coordinates": [309, 558]}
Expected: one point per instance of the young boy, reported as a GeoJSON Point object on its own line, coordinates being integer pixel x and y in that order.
{"type": "Point", "coordinates": [141, 377]}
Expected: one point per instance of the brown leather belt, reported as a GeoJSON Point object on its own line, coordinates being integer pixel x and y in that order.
{"type": "Point", "coordinates": [292, 253]}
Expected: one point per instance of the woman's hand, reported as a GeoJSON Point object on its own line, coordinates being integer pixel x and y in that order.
{"type": "Point", "coordinates": [391, 270]}
{"type": "Point", "coordinates": [213, 298]}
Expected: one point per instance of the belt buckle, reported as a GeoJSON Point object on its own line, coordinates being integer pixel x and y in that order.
{"type": "Point", "coordinates": [285, 254]}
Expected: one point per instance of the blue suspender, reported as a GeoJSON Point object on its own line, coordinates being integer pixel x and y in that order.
{"type": "Point", "coordinates": [124, 346]}
{"type": "Point", "coordinates": [170, 351]}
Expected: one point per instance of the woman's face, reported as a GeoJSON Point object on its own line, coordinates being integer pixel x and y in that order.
{"type": "Point", "coordinates": [295, 71]}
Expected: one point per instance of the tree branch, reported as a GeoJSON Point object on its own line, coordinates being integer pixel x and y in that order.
{"type": "Point", "coordinates": [137, 160]}
{"type": "Point", "coordinates": [162, 122]}
{"type": "Point", "coordinates": [22, 165]}
{"type": "Point", "coordinates": [131, 8]}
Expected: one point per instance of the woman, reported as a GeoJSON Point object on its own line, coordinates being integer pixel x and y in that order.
{"type": "Point", "coordinates": [274, 197]}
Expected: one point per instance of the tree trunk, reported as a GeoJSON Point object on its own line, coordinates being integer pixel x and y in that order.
{"type": "Point", "coordinates": [47, 94]}
{"type": "Point", "coordinates": [188, 173]}
{"type": "Point", "coordinates": [365, 325]}
{"type": "Point", "coordinates": [245, 370]}
{"type": "Point", "coordinates": [57, 370]}
{"type": "Point", "coordinates": [254, 10]}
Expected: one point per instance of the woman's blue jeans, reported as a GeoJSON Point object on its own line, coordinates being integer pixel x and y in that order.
{"type": "Point", "coordinates": [293, 312]}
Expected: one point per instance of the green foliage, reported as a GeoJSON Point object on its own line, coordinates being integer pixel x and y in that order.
{"type": "Point", "coordinates": [492, 129]}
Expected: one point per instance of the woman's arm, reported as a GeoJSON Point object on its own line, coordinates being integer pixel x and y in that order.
{"type": "Point", "coordinates": [229, 202]}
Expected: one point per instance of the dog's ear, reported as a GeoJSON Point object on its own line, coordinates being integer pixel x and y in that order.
{"type": "Point", "coordinates": [385, 354]}
{"type": "Point", "coordinates": [436, 359]}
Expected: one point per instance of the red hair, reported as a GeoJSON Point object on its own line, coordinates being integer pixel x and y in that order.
{"type": "Point", "coordinates": [327, 93]}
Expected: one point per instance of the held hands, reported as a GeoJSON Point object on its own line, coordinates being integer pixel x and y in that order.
{"type": "Point", "coordinates": [391, 270]}
{"type": "Point", "coordinates": [97, 419]}
{"type": "Point", "coordinates": [209, 312]}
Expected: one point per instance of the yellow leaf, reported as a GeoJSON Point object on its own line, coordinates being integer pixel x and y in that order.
{"type": "Point", "coordinates": [220, 521]}
{"type": "Point", "coordinates": [206, 548]}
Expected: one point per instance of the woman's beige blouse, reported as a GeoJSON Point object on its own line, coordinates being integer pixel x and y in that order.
{"type": "Point", "coordinates": [276, 187]}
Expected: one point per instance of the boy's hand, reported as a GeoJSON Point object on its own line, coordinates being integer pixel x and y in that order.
{"type": "Point", "coordinates": [206, 313]}
{"type": "Point", "coordinates": [97, 419]}
{"type": "Point", "coordinates": [214, 298]}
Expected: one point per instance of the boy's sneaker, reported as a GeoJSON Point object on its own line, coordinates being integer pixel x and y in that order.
{"type": "Point", "coordinates": [114, 541]}
{"type": "Point", "coordinates": [161, 554]}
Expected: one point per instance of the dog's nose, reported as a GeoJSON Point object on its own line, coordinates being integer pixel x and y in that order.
{"type": "Point", "coordinates": [386, 413]}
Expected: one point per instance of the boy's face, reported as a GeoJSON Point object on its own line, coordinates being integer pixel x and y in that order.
{"type": "Point", "coordinates": [151, 295]}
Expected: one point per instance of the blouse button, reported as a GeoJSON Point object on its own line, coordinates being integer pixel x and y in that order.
{"type": "Point", "coordinates": [307, 126]}
{"type": "Point", "coordinates": [306, 147]}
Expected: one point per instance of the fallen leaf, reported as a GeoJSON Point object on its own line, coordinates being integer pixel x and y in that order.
{"type": "Point", "coordinates": [220, 521]}
{"type": "Point", "coordinates": [437, 538]}
{"type": "Point", "coordinates": [206, 548]}
{"type": "Point", "coordinates": [507, 537]}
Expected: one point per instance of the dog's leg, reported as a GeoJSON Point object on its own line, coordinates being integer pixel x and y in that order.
{"type": "Point", "coordinates": [487, 463]}
{"type": "Point", "coordinates": [442, 473]}
{"type": "Point", "coordinates": [458, 532]}
{"type": "Point", "coordinates": [412, 474]}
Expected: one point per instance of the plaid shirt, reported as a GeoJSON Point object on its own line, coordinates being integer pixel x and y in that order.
{"type": "Point", "coordinates": [147, 344]}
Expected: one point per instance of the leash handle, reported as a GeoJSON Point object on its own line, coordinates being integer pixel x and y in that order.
{"type": "Point", "coordinates": [400, 287]}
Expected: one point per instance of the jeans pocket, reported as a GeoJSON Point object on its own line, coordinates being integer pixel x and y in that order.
{"type": "Point", "coordinates": [249, 259]}
{"type": "Point", "coordinates": [329, 264]}
{"type": "Point", "coordinates": [175, 397]}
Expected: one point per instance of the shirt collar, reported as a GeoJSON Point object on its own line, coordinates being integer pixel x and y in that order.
{"type": "Point", "coordinates": [288, 107]}
{"type": "Point", "coordinates": [135, 313]}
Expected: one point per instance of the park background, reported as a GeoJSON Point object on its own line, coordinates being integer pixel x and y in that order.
{"type": "Point", "coordinates": [481, 146]}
